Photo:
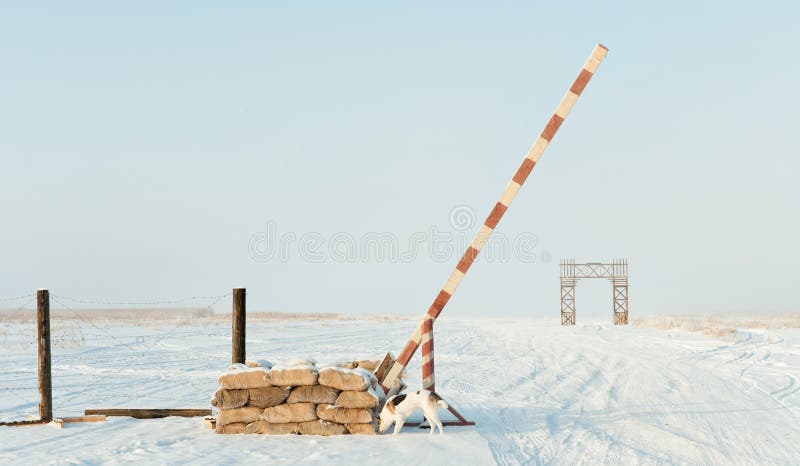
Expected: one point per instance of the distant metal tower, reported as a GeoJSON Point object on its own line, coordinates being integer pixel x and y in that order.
{"type": "Point", "coordinates": [616, 271]}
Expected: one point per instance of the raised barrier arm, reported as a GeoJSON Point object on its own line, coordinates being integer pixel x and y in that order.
{"type": "Point", "coordinates": [597, 56]}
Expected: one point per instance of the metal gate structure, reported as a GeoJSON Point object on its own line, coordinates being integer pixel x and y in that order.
{"type": "Point", "coordinates": [616, 271]}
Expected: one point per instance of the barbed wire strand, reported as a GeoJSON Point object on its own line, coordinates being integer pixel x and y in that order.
{"type": "Point", "coordinates": [12, 391]}
{"type": "Point", "coordinates": [142, 353]}
{"type": "Point", "coordinates": [154, 302]}
{"type": "Point", "coordinates": [17, 298]}
{"type": "Point", "coordinates": [22, 306]}
{"type": "Point", "coordinates": [87, 321]}
{"type": "Point", "coordinates": [72, 336]}
{"type": "Point", "coordinates": [182, 324]}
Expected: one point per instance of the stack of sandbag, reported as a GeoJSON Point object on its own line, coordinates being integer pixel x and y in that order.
{"type": "Point", "coordinates": [299, 398]}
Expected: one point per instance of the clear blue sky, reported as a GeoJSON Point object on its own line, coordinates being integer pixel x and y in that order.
{"type": "Point", "coordinates": [143, 145]}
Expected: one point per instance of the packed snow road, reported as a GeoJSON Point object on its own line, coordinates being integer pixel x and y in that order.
{"type": "Point", "coordinates": [540, 393]}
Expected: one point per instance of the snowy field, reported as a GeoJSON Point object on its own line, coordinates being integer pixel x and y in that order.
{"type": "Point", "coordinates": [540, 393]}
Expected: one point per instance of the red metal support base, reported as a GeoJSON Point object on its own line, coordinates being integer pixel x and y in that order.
{"type": "Point", "coordinates": [460, 422]}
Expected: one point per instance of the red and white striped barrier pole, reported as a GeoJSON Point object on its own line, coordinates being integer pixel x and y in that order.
{"type": "Point", "coordinates": [589, 68]}
{"type": "Point", "coordinates": [428, 380]}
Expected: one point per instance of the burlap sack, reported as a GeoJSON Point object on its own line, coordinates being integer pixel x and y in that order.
{"type": "Point", "coordinates": [264, 427]}
{"type": "Point", "coordinates": [267, 396]}
{"type": "Point", "coordinates": [362, 429]}
{"type": "Point", "coordinates": [313, 394]}
{"type": "Point", "coordinates": [297, 412]}
{"type": "Point", "coordinates": [302, 362]}
{"type": "Point", "coordinates": [293, 376]}
{"type": "Point", "coordinates": [345, 379]}
{"type": "Point", "coordinates": [344, 415]}
{"type": "Point", "coordinates": [229, 399]}
{"type": "Point", "coordinates": [230, 416]}
{"type": "Point", "coordinates": [352, 399]}
{"type": "Point", "coordinates": [371, 379]}
{"type": "Point", "coordinates": [235, 428]}
{"type": "Point", "coordinates": [258, 363]}
{"type": "Point", "coordinates": [321, 428]}
{"type": "Point", "coordinates": [366, 364]}
{"type": "Point", "coordinates": [244, 378]}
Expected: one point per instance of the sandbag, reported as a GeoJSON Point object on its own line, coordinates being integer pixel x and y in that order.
{"type": "Point", "coordinates": [293, 376]}
{"type": "Point", "coordinates": [244, 378]}
{"type": "Point", "coordinates": [267, 396]}
{"type": "Point", "coordinates": [230, 416]}
{"type": "Point", "coordinates": [297, 412]}
{"type": "Point", "coordinates": [258, 363]}
{"type": "Point", "coordinates": [343, 363]}
{"type": "Point", "coordinates": [362, 429]}
{"type": "Point", "coordinates": [345, 379]}
{"type": "Point", "coordinates": [302, 362]}
{"type": "Point", "coordinates": [264, 427]}
{"type": "Point", "coordinates": [344, 415]}
{"type": "Point", "coordinates": [313, 394]}
{"type": "Point", "coordinates": [321, 428]}
{"type": "Point", "coordinates": [229, 399]}
{"type": "Point", "coordinates": [366, 364]}
{"type": "Point", "coordinates": [353, 399]}
{"type": "Point", "coordinates": [235, 428]}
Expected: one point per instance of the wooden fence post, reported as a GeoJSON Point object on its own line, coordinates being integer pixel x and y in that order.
{"type": "Point", "coordinates": [239, 324]}
{"type": "Point", "coordinates": [45, 380]}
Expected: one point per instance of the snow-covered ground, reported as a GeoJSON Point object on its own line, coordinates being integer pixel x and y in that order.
{"type": "Point", "coordinates": [539, 392]}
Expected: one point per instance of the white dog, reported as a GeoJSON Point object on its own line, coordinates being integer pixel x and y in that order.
{"type": "Point", "coordinates": [399, 407]}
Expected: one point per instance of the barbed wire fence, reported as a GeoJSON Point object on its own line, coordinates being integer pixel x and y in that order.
{"type": "Point", "coordinates": [19, 388]}
{"type": "Point", "coordinates": [114, 351]}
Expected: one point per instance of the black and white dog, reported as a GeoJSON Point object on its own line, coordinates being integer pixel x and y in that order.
{"type": "Point", "coordinates": [399, 407]}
